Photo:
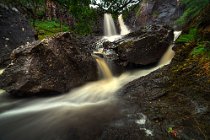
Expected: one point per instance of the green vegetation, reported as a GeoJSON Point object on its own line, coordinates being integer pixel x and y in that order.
{"type": "Point", "coordinates": [192, 9]}
{"type": "Point", "coordinates": [190, 37]}
{"type": "Point", "coordinates": [86, 18]}
{"type": "Point", "coordinates": [75, 15]}
{"type": "Point", "coordinates": [48, 28]}
{"type": "Point", "coordinates": [201, 49]}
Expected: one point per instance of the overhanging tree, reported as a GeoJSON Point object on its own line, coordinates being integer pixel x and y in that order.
{"type": "Point", "coordinates": [114, 6]}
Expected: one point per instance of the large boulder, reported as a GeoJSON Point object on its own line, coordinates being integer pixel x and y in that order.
{"type": "Point", "coordinates": [14, 31]}
{"type": "Point", "coordinates": [54, 65]}
{"type": "Point", "coordinates": [145, 46]}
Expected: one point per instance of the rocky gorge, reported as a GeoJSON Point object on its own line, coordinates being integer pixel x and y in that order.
{"type": "Point", "coordinates": [153, 100]}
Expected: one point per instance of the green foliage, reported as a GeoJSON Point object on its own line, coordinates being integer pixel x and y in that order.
{"type": "Point", "coordinates": [84, 15]}
{"type": "Point", "coordinates": [192, 9]}
{"type": "Point", "coordinates": [76, 3]}
{"type": "Point", "coordinates": [85, 20]}
{"type": "Point", "coordinates": [201, 49]}
{"type": "Point", "coordinates": [190, 37]}
{"type": "Point", "coordinates": [48, 28]}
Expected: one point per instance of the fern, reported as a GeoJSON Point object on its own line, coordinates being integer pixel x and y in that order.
{"type": "Point", "coordinates": [190, 37]}
{"type": "Point", "coordinates": [193, 8]}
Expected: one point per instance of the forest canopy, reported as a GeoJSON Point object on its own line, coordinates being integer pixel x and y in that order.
{"type": "Point", "coordinates": [77, 15]}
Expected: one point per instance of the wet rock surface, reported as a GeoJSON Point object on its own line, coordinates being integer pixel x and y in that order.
{"type": "Point", "coordinates": [54, 65]}
{"type": "Point", "coordinates": [171, 103]}
{"type": "Point", "coordinates": [145, 46]}
{"type": "Point", "coordinates": [14, 31]}
{"type": "Point", "coordinates": [155, 12]}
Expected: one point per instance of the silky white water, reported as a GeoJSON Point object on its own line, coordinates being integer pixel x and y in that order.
{"type": "Point", "coordinates": [110, 33]}
{"type": "Point", "coordinates": [167, 57]}
{"type": "Point", "coordinates": [109, 25]}
{"type": "Point", "coordinates": [124, 29]}
{"type": "Point", "coordinates": [107, 74]}
{"type": "Point", "coordinates": [1, 71]}
{"type": "Point", "coordinates": [93, 93]}
{"type": "Point", "coordinates": [82, 110]}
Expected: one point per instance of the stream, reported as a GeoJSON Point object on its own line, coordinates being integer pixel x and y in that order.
{"type": "Point", "coordinates": [83, 113]}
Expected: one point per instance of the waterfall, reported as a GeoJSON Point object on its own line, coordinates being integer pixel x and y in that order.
{"type": "Point", "coordinates": [56, 116]}
{"type": "Point", "coordinates": [110, 32]}
{"type": "Point", "coordinates": [1, 71]}
{"type": "Point", "coordinates": [169, 54]}
{"type": "Point", "coordinates": [107, 74]}
{"type": "Point", "coordinates": [124, 29]}
{"type": "Point", "coordinates": [109, 26]}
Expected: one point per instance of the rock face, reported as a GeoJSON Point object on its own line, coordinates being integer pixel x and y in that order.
{"type": "Point", "coordinates": [14, 31]}
{"type": "Point", "coordinates": [171, 102]}
{"type": "Point", "coordinates": [145, 46]}
{"type": "Point", "coordinates": [174, 97]}
{"type": "Point", "coordinates": [51, 66]}
{"type": "Point", "coordinates": [151, 12]}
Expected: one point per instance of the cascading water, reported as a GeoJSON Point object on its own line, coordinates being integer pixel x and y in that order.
{"type": "Point", "coordinates": [110, 29]}
{"type": "Point", "coordinates": [109, 34]}
{"type": "Point", "coordinates": [123, 27]}
{"type": "Point", "coordinates": [1, 71]}
{"type": "Point", "coordinates": [167, 57]}
{"type": "Point", "coordinates": [109, 26]}
{"type": "Point", "coordinates": [51, 118]}
{"type": "Point", "coordinates": [107, 74]}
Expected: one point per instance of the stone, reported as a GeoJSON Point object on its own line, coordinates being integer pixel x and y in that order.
{"type": "Point", "coordinates": [54, 65]}
{"type": "Point", "coordinates": [155, 12]}
{"type": "Point", "coordinates": [11, 34]}
{"type": "Point", "coordinates": [145, 46]}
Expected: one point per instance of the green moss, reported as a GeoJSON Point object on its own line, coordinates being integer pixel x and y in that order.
{"type": "Point", "coordinates": [190, 37]}
{"type": "Point", "coordinates": [48, 28]}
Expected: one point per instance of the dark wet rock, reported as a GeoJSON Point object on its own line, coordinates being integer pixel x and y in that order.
{"type": "Point", "coordinates": [147, 88]}
{"type": "Point", "coordinates": [174, 99]}
{"type": "Point", "coordinates": [88, 41]}
{"type": "Point", "coordinates": [155, 12]}
{"type": "Point", "coordinates": [145, 46]}
{"type": "Point", "coordinates": [54, 65]}
{"type": "Point", "coordinates": [14, 31]}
